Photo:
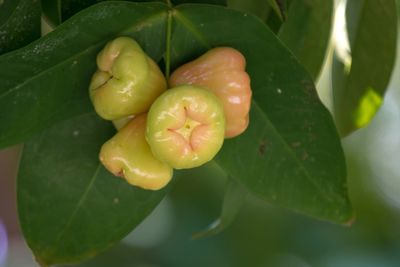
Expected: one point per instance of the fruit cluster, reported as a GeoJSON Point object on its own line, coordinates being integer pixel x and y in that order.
{"type": "Point", "coordinates": [159, 129]}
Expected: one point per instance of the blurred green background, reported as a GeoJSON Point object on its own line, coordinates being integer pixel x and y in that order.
{"type": "Point", "coordinates": [262, 235]}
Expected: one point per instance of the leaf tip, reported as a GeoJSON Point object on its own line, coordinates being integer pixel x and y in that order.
{"type": "Point", "coordinates": [42, 262]}
{"type": "Point", "coordinates": [212, 230]}
{"type": "Point", "coordinates": [351, 220]}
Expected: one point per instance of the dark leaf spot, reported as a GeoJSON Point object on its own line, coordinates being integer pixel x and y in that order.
{"type": "Point", "coordinates": [262, 147]}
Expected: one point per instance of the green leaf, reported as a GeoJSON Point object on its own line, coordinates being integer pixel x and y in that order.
{"type": "Point", "coordinates": [47, 81]}
{"type": "Point", "coordinates": [70, 207]}
{"type": "Point", "coordinates": [290, 154]}
{"type": "Point", "coordinates": [260, 8]}
{"type": "Point", "coordinates": [19, 23]}
{"type": "Point", "coordinates": [359, 86]}
{"type": "Point", "coordinates": [71, 7]}
{"type": "Point", "coordinates": [233, 199]}
{"type": "Point", "coordinates": [306, 32]}
{"type": "Point", "coordinates": [52, 11]}
{"type": "Point", "coordinates": [210, 2]}
{"type": "Point", "coordinates": [279, 6]}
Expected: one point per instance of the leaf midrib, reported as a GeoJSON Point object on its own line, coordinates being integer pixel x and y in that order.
{"type": "Point", "coordinates": [191, 27]}
{"type": "Point", "coordinates": [287, 148]}
{"type": "Point", "coordinates": [78, 206]}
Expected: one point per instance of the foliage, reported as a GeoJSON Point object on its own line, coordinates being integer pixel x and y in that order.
{"type": "Point", "coordinates": [19, 23]}
{"type": "Point", "coordinates": [361, 83]}
{"type": "Point", "coordinates": [72, 209]}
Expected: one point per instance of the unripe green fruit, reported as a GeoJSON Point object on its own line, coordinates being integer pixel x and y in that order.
{"type": "Point", "coordinates": [222, 71]}
{"type": "Point", "coordinates": [185, 127]}
{"type": "Point", "coordinates": [127, 81]}
{"type": "Point", "coordinates": [128, 155]}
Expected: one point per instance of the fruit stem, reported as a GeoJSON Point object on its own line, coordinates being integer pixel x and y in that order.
{"type": "Point", "coordinates": [168, 45]}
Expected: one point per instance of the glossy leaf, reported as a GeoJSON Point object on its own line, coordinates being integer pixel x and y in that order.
{"type": "Point", "coordinates": [70, 207]}
{"type": "Point", "coordinates": [234, 197]}
{"type": "Point", "coordinates": [19, 23]}
{"type": "Point", "coordinates": [306, 32]}
{"type": "Point", "coordinates": [359, 87]}
{"type": "Point", "coordinates": [290, 154]}
{"type": "Point", "coordinates": [57, 11]}
{"type": "Point", "coordinates": [260, 8]}
{"type": "Point", "coordinates": [71, 7]}
{"type": "Point", "coordinates": [48, 80]}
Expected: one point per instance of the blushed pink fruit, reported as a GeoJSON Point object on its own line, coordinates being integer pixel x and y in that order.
{"type": "Point", "coordinates": [222, 71]}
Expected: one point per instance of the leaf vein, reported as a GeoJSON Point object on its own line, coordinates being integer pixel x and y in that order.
{"type": "Point", "coordinates": [78, 206]}
{"type": "Point", "coordinates": [192, 29]}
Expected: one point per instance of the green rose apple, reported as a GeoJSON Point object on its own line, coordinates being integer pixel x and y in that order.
{"type": "Point", "coordinates": [185, 127]}
{"type": "Point", "coordinates": [128, 155]}
{"type": "Point", "coordinates": [127, 81]}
